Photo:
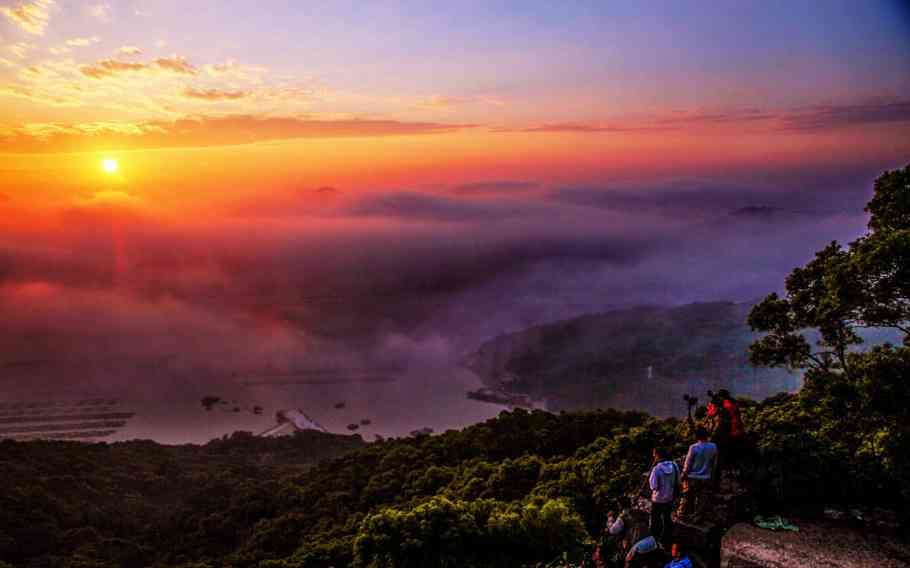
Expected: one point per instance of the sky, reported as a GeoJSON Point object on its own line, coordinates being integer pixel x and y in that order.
{"type": "Point", "coordinates": [296, 187]}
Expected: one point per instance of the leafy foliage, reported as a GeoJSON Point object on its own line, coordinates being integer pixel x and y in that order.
{"type": "Point", "coordinates": [518, 490]}
{"type": "Point", "coordinates": [853, 408]}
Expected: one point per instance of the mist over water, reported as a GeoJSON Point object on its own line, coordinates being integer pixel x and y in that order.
{"type": "Point", "coordinates": [260, 307]}
{"type": "Point", "coordinates": [394, 409]}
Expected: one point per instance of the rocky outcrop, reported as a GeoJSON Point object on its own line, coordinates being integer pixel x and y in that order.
{"type": "Point", "coordinates": [818, 543]}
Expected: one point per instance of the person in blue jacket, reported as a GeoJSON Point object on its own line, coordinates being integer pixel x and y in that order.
{"type": "Point", "coordinates": [680, 560]}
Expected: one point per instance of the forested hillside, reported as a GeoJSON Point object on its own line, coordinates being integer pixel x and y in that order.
{"type": "Point", "coordinates": [643, 358]}
{"type": "Point", "coordinates": [639, 358]}
{"type": "Point", "coordinates": [519, 489]}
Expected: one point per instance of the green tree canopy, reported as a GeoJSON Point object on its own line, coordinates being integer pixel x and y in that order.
{"type": "Point", "coordinates": [866, 284]}
{"type": "Point", "coordinates": [858, 400]}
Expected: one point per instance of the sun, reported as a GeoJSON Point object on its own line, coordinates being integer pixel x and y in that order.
{"type": "Point", "coordinates": [109, 165]}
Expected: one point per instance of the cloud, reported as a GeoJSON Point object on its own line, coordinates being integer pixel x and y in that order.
{"type": "Point", "coordinates": [20, 49]}
{"type": "Point", "coordinates": [671, 198]}
{"type": "Point", "coordinates": [111, 67]}
{"type": "Point", "coordinates": [442, 102]}
{"type": "Point", "coordinates": [438, 102]}
{"type": "Point", "coordinates": [73, 42]}
{"type": "Point", "coordinates": [360, 280]}
{"type": "Point", "coordinates": [101, 12]}
{"type": "Point", "coordinates": [213, 95]}
{"type": "Point", "coordinates": [493, 187]}
{"type": "Point", "coordinates": [82, 41]}
{"type": "Point", "coordinates": [820, 117]}
{"type": "Point", "coordinates": [233, 70]}
{"type": "Point", "coordinates": [129, 50]}
{"type": "Point", "coordinates": [202, 131]}
{"type": "Point", "coordinates": [582, 127]}
{"type": "Point", "coordinates": [411, 206]}
{"type": "Point", "coordinates": [838, 116]}
{"type": "Point", "coordinates": [34, 95]}
{"type": "Point", "coordinates": [113, 197]}
{"type": "Point", "coordinates": [142, 356]}
{"type": "Point", "coordinates": [175, 64]}
{"type": "Point", "coordinates": [30, 16]}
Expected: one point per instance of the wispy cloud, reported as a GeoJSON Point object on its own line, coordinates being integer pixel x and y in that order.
{"type": "Point", "coordinates": [231, 69]}
{"type": "Point", "coordinates": [101, 12]}
{"type": "Point", "coordinates": [213, 95]}
{"type": "Point", "coordinates": [129, 50]}
{"type": "Point", "coordinates": [20, 49]}
{"type": "Point", "coordinates": [203, 131]}
{"type": "Point", "coordinates": [819, 117]}
{"type": "Point", "coordinates": [495, 187]}
{"type": "Point", "coordinates": [38, 96]}
{"type": "Point", "coordinates": [834, 116]}
{"type": "Point", "coordinates": [82, 41]}
{"type": "Point", "coordinates": [175, 64]}
{"type": "Point", "coordinates": [583, 127]}
{"type": "Point", "coordinates": [73, 42]}
{"type": "Point", "coordinates": [110, 67]}
{"type": "Point", "coordinates": [30, 16]}
{"type": "Point", "coordinates": [445, 103]}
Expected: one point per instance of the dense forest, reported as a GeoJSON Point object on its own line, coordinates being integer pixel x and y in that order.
{"type": "Point", "coordinates": [519, 489]}
{"type": "Point", "coordinates": [522, 489]}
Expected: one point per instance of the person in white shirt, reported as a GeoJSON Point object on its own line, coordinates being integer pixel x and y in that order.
{"type": "Point", "coordinates": [663, 481]}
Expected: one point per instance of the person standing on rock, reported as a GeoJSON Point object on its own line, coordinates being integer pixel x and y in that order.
{"type": "Point", "coordinates": [663, 481]}
{"type": "Point", "coordinates": [696, 477]}
{"type": "Point", "coordinates": [721, 425]}
{"type": "Point", "coordinates": [737, 438]}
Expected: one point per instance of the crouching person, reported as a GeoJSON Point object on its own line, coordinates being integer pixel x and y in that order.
{"type": "Point", "coordinates": [646, 553]}
{"type": "Point", "coordinates": [611, 547]}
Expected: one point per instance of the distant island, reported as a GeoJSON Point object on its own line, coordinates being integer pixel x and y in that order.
{"type": "Point", "coordinates": [642, 358]}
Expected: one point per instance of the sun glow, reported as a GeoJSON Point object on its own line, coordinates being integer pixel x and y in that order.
{"type": "Point", "coordinates": [109, 165]}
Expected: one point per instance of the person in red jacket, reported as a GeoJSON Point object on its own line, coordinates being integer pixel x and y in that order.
{"type": "Point", "coordinates": [730, 405]}
{"type": "Point", "coordinates": [720, 421]}
{"type": "Point", "coordinates": [737, 439]}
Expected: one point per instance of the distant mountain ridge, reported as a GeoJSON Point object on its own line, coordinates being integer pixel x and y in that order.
{"type": "Point", "coordinates": [641, 358]}
{"type": "Point", "coordinates": [644, 357]}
